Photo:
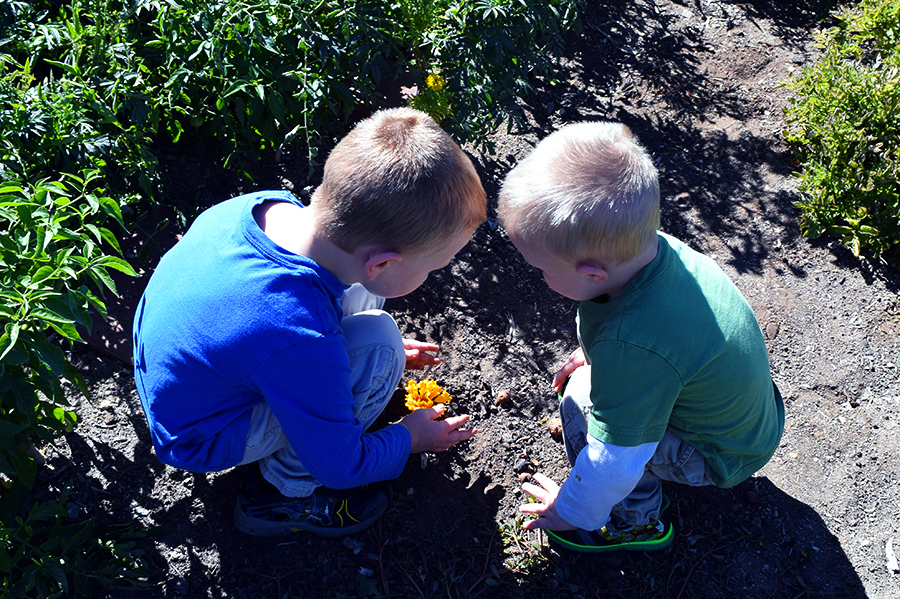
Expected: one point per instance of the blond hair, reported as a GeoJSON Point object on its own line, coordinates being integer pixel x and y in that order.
{"type": "Point", "coordinates": [397, 179]}
{"type": "Point", "coordinates": [588, 190]}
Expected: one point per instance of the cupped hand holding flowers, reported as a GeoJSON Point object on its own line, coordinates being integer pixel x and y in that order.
{"type": "Point", "coordinates": [426, 431]}
{"type": "Point", "coordinates": [429, 434]}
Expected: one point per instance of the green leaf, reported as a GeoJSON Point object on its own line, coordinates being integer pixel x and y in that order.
{"type": "Point", "coordinates": [110, 239]}
{"type": "Point", "coordinates": [117, 264]}
{"type": "Point", "coordinates": [72, 69]}
{"type": "Point", "coordinates": [79, 306]}
{"type": "Point", "coordinates": [111, 208]}
{"type": "Point", "coordinates": [50, 356]}
{"type": "Point", "coordinates": [8, 339]}
{"type": "Point", "coordinates": [42, 274]}
{"type": "Point", "coordinates": [102, 278]}
{"type": "Point", "coordinates": [24, 465]}
{"type": "Point", "coordinates": [235, 87]}
{"type": "Point", "coordinates": [49, 315]}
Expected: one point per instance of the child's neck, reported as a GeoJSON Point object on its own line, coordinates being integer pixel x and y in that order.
{"type": "Point", "coordinates": [622, 274]}
{"type": "Point", "coordinates": [294, 229]}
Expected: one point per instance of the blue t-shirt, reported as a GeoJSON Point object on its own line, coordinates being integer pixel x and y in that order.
{"type": "Point", "coordinates": [230, 319]}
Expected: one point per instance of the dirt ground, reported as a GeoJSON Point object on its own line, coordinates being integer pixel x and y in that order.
{"type": "Point", "coordinates": [697, 81]}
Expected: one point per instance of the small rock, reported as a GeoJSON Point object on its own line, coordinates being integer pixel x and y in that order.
{"type": "Point", "coordinates": [503, 396]}
{"type": "Point", "coordinates": [423, 458]}
{"type": "Point", "coordinates": [522, 466]}
{"type": "Point", "coordinates": [554, 425]}
{"type": "Point", "coordinates": [355, 546]}
{"type": "Point", "coordinates": [524, 477]}
{"type": "Point", "coordinates": [892, 564]}
{"type": "Point", "coordinates": [751, 497]}
{"type": "Point", "coordinates": [771, 330]}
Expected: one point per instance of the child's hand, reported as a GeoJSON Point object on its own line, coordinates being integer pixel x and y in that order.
{"type": "Point", "coordinates": [433, 435]}
{"type": "Point", "coordinates": [546, 509]}
{"type": "Point", "coordinates": [575, 361]}
{"type": "Point", "coordinates": [416, 358]}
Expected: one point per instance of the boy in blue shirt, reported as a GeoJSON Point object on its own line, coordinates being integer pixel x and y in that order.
{"type": "Point", "coordinates": [260, 337]}
{"type": "Point", "coordinates": [671, 380]}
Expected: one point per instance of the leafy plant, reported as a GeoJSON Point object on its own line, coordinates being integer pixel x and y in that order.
{"type": "Point", "coordinates": [53, 270]}
{"type": "Point", "coordinates": [487, 53]}
{"type": "Point", "coordinates": [843, 126]}
{"type": "Point", "coordinates": [44, 556]}
{"type": "Point", "coordinates": [74, 95]}
{"type": "Point", "coordinates": [256, 74]}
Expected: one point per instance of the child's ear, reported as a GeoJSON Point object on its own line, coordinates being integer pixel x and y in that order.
{"type": "Point", "coordinates": [595, 272]}
{"type": "Point", "coordinates": [378, 262]}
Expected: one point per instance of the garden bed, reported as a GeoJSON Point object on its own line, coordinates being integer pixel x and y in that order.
{"type": "Point", "coordinates": [698, 84]}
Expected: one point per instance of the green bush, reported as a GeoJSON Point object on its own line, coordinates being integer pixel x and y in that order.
{"type": "Point", "coordinates": [53, 271]}
{"type": "Point", "coordinates": [843, 126]}
{"type": "Point", "coordinates": [74, 95]}
{"type": "Point", "coordinates": [254, 75]}
{"type": "Point", "coordinates": [43, 556]}
{"type": "Point", "coordinates": [486, 54]}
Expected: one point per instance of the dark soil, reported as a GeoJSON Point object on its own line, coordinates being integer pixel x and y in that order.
{"type": "Point", "coordinates": [697, 81]}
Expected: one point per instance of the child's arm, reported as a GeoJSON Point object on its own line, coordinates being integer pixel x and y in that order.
{"type": "Point", "coordinates": [574, 361]}
{"type": "Point", "coordinates": [602, 476]}
{"type": "Point", "coordinates": [429, 434]}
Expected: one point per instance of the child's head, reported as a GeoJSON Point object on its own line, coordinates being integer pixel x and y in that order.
{"type": "Point", "coordinates": [398, 180]}
{"type": "Point", "coordinates": [587, 191]}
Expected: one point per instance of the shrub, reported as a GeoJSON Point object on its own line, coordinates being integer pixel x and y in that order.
{"type": "Point", "coordinates": [54, 271]}
{"type": "Point", "coordinates": [46, 555]}
{"type": "Point", "coordinates": [74, 95]}
{"type": "Point", "coordinates": [843, 127]}
{"type": "Point", "coordinates": [256, 74]}
{"type": "Point", "coordinates": [486, 54]}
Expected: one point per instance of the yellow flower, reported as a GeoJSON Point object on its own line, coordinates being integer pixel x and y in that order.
{"type": "Point", "coordinates": [434, 82]}
{"type": "Point", "coordinates": [424, 394]}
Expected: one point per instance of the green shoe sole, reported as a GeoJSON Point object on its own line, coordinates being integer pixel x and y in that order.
{"type": "Point", "coordinates": [590, 542]}
{"type": "Point", "coordinates": [588, 545]}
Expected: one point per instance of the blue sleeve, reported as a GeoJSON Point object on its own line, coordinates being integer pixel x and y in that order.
{"type": "Point", "coordinates": [307, 388]}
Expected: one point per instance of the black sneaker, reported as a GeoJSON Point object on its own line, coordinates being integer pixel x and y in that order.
{"type": "Point", "coordinates": [262, 511]}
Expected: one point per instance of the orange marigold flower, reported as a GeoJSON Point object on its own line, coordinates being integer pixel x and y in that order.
{"type": "Point", "coordinates": [424, 394]}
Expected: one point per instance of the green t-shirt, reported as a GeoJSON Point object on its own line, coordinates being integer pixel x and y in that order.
{"type": "Point", "coordinates": [681, 349]}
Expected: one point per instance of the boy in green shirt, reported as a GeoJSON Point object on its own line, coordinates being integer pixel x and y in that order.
{"type": "Point", "coordinates": [671, 380]}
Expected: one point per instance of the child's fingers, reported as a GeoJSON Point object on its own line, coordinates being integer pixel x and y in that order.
{"type": "Point", "coordinates": [547, 483]}
{"type": "Point", "coordinates": [536, 523]}
{"type": "Point", "coordinates": [435, 411]}
{"type": "Point", "coordinates": [460, 436]}
{"type": "Point", "coordinates": [457, 421]}
{"type": "Point", "coordinates": [420, 345]}
{"type": "Point", "coordinates": [538, 493]}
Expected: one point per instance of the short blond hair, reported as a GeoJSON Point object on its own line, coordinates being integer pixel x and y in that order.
{"type": "Point", "coordinates": [397, 179]}
{"type": "Point", "coordinates": [589, 190]}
